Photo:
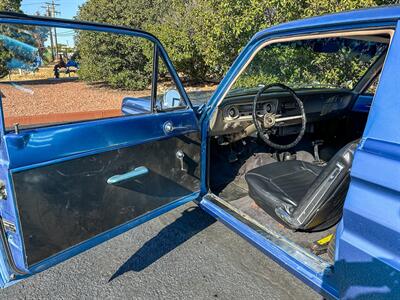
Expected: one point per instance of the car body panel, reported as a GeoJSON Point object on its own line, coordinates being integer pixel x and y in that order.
{"type": "Point", "coordinates": [368, 239]}
{"type": "Point", "coordinates": [67, 141]}
{"type": "Point", "coordinates": [380, 127]}
{"type": "Point", "coordinates": [363, 103]}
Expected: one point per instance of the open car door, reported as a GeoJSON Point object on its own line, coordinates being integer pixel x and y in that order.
{"type": "Point", "coordinates": [69, 181]}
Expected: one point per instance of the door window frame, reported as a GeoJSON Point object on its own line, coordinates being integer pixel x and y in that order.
{"type": "Point", "coordinates": [158, 52]}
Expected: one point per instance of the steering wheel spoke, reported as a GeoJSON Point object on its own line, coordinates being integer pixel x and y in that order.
{"type": "Point", "coordinates": [288, 118]}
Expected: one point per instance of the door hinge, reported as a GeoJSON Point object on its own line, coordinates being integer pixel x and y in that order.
{"type": "Point", "coordinates": [9, 226]}
{"type": "Point", "coordinates": [3, 191]}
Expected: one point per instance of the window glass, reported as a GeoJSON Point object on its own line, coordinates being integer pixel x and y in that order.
{"type": "Point", "coordinates": [50, 75]}
{"type": "Point", "coordinates": [168, 96]}
{"type": "Point", "coordinates": [372, 87]}
{"type": "Point", "coordinates": [314, 63]}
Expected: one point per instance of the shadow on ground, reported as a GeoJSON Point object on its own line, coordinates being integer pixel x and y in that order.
{"type": "Point", "coordinates": [191, 222]}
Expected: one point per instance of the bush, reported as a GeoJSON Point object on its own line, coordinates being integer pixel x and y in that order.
{"type": "Point", "coordinates": [117, 60]}
{"type": "Point", "coordinates": [202, 37]}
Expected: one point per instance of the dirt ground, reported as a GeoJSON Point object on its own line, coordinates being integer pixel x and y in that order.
{"type": "Point", "coordinates": [42, 101]}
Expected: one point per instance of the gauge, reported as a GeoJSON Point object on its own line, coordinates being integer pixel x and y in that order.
{"type": "Point", "coordinates": [231, 112]}
{"type": "Point", "coordinates": [268, 107]}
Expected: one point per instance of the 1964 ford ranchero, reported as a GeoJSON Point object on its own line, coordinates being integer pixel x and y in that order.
{"type": "Point", "coordinates": [298, 151]}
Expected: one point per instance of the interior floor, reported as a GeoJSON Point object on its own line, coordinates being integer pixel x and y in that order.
{"type": "Point", "coordinates": [230, 185]}
{"type": "Point", "coordinates": [229, 164]}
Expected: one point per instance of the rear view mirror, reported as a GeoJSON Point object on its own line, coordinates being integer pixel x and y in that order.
{"type": "Point", "coordinates": [171, 99]}
{"type": "Point", "coordinates": [134, 106]}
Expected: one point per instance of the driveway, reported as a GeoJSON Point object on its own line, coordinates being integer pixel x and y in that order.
{"type": "Point", "coordinates": [182, 254]}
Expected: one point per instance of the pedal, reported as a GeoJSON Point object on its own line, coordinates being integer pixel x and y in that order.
{"type": "Point", "coordinates": [316, 145]}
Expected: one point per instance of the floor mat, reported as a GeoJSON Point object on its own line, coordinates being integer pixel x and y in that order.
{"type": "Point", "coordinates": [234, 190]}
{"type": "Point", "coordinates": [303, 239]}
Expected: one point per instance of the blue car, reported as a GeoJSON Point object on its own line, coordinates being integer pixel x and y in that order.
{"type": "Point", "coordinates": [297, 151]}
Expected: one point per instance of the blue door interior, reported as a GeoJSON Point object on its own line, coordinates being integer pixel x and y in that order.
{"type": "Point", "coordinates": [74, 182]}
{"type": "Point", "coordinates": [67, 187]}
{"type": "Point", "coordinates": [64, 202]}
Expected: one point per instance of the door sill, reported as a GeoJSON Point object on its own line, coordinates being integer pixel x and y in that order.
{"type": "Point", "coordinates": [305, 265]}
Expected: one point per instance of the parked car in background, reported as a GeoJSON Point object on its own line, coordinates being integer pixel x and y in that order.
{"type": "Point", "coordinates": [297, 151]}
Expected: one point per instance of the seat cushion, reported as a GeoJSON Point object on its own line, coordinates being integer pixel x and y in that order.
{"type": "Point", "coordinates": [281, 184]}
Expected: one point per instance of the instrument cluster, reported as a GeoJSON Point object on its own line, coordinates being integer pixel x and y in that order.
{"type": "Point", "coordinates": [236, 111]}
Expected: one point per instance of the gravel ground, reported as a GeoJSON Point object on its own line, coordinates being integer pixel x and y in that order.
{"type": "Point", "coordinates": [37, 97]}
{"type": "Point", "coordinates": [46, 101]}
{"type": "Point", "coordinates": [67, 95]}
{"type": "Point", "coordinates": [184, 254]}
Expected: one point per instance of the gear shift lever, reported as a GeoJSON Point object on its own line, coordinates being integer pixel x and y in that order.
{"type": "Point", "coordinates": [316, 144]}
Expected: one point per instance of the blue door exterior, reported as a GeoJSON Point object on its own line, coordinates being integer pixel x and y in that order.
{"type": "Point", "coordinates": [368, 258]}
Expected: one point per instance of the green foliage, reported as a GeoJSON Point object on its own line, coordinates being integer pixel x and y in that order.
{"type": "Point", "coordinates": [10, 5]}
{"type": "Point", "coordinates": [5, 56]}
{"type": "Point", "coordinates": [204, 37]}
{"type": "Point", "coordinates": [117, 60]}
{"type": "Point", "coordinates": [299, 64]}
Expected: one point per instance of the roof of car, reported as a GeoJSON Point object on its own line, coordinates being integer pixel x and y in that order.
{"type": "Point", "coordinates": [375, 14]}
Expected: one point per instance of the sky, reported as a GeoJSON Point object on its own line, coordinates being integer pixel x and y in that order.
{"type": "Point", "coordinates": [67, 9]}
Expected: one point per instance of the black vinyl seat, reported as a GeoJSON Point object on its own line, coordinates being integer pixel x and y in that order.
{"type": "Point", "coordinates": [301, 195]}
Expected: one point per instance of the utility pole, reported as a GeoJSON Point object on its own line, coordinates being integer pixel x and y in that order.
{"type": "Point", "coordinates": [51, 12]}
{"type": "Point", "coordinates": [48, 14]}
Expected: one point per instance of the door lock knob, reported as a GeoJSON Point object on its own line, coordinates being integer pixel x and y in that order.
{"type": "Point", "coordinates": [180, 155]}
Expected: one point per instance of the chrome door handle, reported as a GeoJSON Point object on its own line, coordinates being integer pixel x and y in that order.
{"type": "Point", "coordinates": [137, 172]}
{"type": "Point", "coordinates": [169, 127]}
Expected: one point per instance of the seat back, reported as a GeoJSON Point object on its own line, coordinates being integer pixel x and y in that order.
{"type": "Point", "coordinates": [322, 205]}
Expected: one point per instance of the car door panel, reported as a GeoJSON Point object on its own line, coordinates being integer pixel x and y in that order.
{"type": "Point", "coordinates": [69, 199]}
{"type": "Point", "coordinates": [66, 203]}
{"type": "Point", "coordinates": [65, 188]}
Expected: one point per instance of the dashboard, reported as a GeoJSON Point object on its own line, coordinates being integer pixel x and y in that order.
{"type": "Point", "coordinates": [234, 115]}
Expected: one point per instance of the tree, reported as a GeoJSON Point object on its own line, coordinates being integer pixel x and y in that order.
{"type": "Point", "coordinates": [117, 60]}
{"type": "Point", "coordinates": [203, 37]}
{"type": "Point", "coordinates": [5, 55]}
{"type": "Point", "coordinates": [10, 5]}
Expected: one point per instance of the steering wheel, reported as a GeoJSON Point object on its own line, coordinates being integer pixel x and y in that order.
{"type": "Point", "coordinates": [269, 120]}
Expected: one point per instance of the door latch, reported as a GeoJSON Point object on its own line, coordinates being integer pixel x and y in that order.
{"type": "Point", "coordinates": [9, 226]}
{"type": "Point", "coordinates": [3, 191]}
{"type": "Point", "coordinates": [180, 155]}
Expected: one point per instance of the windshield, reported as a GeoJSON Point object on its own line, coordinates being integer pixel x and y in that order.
{"type": "Point", "coordinates": [314, 63]}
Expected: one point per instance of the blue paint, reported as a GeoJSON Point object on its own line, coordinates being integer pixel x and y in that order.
{"type": "Point", "coordinates": [42, 146]}
{"type": "Point", "coordinates": [363, 103]}
{"type": "Point", "coordinates": [365, 17]}
{"type": "Point", "coordinates": [368, 257]}
{"type": "Point", "coordinates": [137, 172]}
{"type": "Point", "coordinates": [33, 148]}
